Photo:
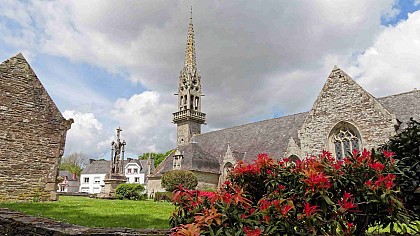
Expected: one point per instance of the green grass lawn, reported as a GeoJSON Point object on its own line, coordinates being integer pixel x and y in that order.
{"type": "Point", "coordinates": [100, 213]}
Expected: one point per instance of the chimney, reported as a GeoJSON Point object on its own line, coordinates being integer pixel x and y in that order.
{"type": "Point", "coordinates": [91, 160]}
{"type": "Point", "coordinates": [73, 175]}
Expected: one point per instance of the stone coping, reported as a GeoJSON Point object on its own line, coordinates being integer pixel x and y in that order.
{"type": "Point", "coordinates": [17, 223]}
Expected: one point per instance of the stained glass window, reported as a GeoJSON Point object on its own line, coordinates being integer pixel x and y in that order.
{"type": "Point", "coordinates": [345, 141]}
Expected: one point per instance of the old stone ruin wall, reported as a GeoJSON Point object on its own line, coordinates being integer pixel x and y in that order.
{"type": "Point", "coordinates": [32, 135]}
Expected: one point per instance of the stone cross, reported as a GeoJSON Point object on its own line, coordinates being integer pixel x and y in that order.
{"type": "Point", "coordinates": [117, 154]}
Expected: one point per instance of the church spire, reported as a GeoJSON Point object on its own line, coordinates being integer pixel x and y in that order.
{"type": "Point", "coordinates": [189, 117]}
{"type": "Point", "coordinates": [190, 49]}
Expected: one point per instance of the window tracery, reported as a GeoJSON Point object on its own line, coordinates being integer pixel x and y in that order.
{"type": "Point", "coordinates": [344, 139]}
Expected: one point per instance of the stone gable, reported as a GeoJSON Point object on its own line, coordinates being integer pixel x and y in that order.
{"type": "Point", "coordinates": [343, 100]}
{"type": "Point", "coordinates": [33, 134]}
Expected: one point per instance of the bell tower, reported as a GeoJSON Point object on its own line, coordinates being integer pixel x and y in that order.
{"type": "Point", "coordinates": [189, 117]}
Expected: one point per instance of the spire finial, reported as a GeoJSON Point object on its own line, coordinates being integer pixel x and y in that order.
{"type": "Point", "coordinates": [190, 50]}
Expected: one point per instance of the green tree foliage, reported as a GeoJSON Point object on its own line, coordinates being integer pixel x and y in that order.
{"type": "Point", "coordinates": [74, 163]}
{"type": "Point", "coordinates": [406, 146]}
{"type": "Point", "coordinates": [171, 180]}
{"type": "Point", "coordinates": [158, 157]}
{"type": "Point", "coordinates": [130, 192]}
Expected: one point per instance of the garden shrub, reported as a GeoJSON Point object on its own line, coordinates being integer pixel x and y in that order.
{"type": "Point", "coordinates": [130, 191]}
{"type": "Point", "coordinates": [163, 196]}
{"type": "Point", "coordinates": [316, 196]}
{"type": "Point", "coordinates": [406, 146]}
{"type": "Point", "coordinates": [171, 180]}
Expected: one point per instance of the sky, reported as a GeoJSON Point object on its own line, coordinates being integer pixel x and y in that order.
{"type": "Point", "coordinates": [116, 63]}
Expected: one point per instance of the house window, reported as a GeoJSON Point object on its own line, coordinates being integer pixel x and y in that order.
{"type": "Point", "coordinates": [137, 180]}
{"type": "Point", "coordinates": [62, 188]}
{"type": "Point", "coordinates": [344, 138]}
{"type": "Point", "coordinates": [136, 171]}
{"type": "Point", "coordinates": [97, 180]}
{"type": "Point", "coordinates": [128, 171]}
{"type": "Point", "coordinates": [84, 189]}
{"type": "Point", "coordinates": [86, 180]}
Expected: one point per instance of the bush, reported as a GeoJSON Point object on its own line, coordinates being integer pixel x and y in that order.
{"type": "Point", "coordinates": [130, 191]}
{"type": "Point", "coordinates": [317, 196]}
{"type": "Point", "coordinates": [406, 146]}
{"type": "Point", "coordinates": [171, 180]}
{"type": "Point", "coordinates": [163, 196]}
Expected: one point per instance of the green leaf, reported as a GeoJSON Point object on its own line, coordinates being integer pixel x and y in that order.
{"type": "Point", "coordinates": [327, 199]}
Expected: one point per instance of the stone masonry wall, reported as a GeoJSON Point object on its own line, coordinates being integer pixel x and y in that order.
{"type": "Point", "coordinates": [342, 99]}
{"type": "Point", "coordinates": [32, 136]}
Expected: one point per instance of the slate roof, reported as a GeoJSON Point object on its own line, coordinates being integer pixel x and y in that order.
{"type": "Point", "coordinates": [403, 105]}
{"type": "Point", "coordinates": [268, 136]}
{"type": "Point", "coordinates": [68, 174]}
{"type": "Point", "coordinates": [102, 166]}
{"type": "Point", "coordinates": [194, 158]}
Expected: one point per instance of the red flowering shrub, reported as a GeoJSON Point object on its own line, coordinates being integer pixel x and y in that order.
{"type": "Point", "coordinates": [317, 196]}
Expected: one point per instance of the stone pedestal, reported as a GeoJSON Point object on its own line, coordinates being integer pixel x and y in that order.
{"type": "Point", "coordinates": [111, 183]}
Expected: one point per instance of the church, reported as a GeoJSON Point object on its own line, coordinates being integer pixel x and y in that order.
{"type": "Point", "coordinates": [343, 117]}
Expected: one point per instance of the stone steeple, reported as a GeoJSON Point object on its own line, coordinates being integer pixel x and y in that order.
{"type": "Point", "coordinates": [189, 117]}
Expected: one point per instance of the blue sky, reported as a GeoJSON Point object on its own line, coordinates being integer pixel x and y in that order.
{"type": "Point", "coordinates": [110, 64]}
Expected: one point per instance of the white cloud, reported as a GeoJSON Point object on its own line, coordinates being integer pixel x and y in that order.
{"type": "Point", "coordinates": [256, 60]}
{"type": "Point", "coordinates": [392, 64]}
{"type": "Point", "coordinates": [84, 133]}
{"type": "Point", "coordinates": [146, 122]}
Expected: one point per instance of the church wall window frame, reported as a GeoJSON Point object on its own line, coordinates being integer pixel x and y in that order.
{"type": "Point", "coordinates": [343, 138]}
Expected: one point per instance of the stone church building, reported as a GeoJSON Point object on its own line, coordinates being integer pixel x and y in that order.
{"type": "Point", "coordinates": [32, 136]}
{"type": "Point", "coordinates": [343, 117]}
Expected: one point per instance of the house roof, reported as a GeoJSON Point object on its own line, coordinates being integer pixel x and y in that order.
{"type": "Point", "coordinates": [68, 174]}
{"type": "Point", "coordinates": [102, 166]}
{"type": "Point", "coordinates": [269, 136]}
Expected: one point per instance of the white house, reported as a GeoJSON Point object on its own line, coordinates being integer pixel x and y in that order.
{"type": "Point", "coordinates": [93, 175]}
{"type": "Point", "coordinates": [69, 182]}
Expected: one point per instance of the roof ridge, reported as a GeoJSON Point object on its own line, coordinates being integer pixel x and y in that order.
{"type": "Point", "coordinates": [398, 94]}
{"type": "Point", "coordinates": [255, 122]}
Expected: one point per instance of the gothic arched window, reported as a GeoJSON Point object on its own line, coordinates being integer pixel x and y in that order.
{"type": "Point", "coordinates": [343, 139]}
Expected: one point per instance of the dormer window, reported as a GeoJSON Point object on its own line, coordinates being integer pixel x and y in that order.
{"type": "Point", "coordinates": [135, 170]}
{"type": "Point", "coordinates": [177, 160]}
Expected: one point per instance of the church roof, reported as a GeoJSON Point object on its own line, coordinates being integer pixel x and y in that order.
{"type": "Point", "coordinates": [268, 136]}
{"type": "Point", "coordinates": [403, 105]}
{"type": "Point", "coordinates": [194, 158]}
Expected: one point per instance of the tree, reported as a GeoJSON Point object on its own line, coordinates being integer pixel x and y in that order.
{"type": "Point", "coordinates": [406, 146]}
{"type": "Point", "coordinates": [74, 163]}
{"type": "Point", "coordinates": [171, 180]}
{"type": "Point", "coordinates": [158, 157]}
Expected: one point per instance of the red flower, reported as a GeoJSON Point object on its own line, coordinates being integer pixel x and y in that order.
{"type": "Point", "coordinates": [281, 187]}
{"type": "Point", "coordinates": [264, 204]}
{"type": "Point", "coordinates": [285, 210]}
{"type": "Point", "coordinates": [286, 160]}
{"type": "Point", "coordinates": [308, 210]}
{"type": "Point", "coordinates": [206, 194]}
{"type": "Point", "coordinates": [345, 204]}
{"type": "Point", "coordinates": [250, 232]}
{"type": "Point", "coordinates": [377, 166]}
{"type": "Point", "coordinates": [388, 153]}
{"type": "Point", "coordinates": [317, 181]}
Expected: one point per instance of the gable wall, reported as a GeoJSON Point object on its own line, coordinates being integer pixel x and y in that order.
{"type": "Point", "coordinates": [342, 99]}
{"type": "Point", "coordinates": [32, 135]}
